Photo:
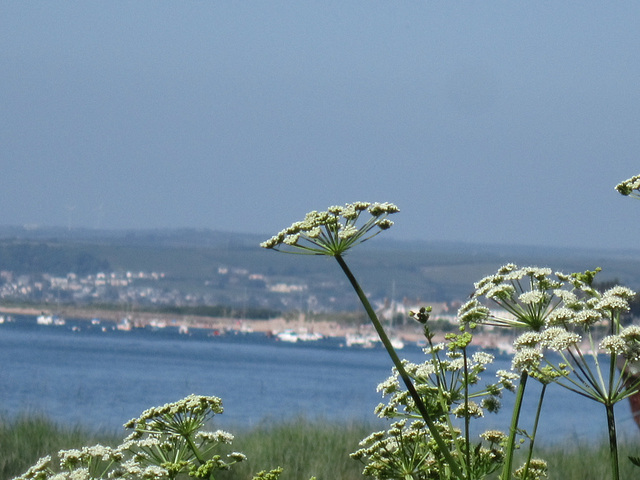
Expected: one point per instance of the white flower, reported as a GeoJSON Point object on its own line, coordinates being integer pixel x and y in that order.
{"type": "Point", "coordinates": [494, 436]}
{"type": "Point", "coordinates": [527, 359]}
{"type": "Point", "coordinates": [152, 472]}
{"type": "Point", "coordinates": [557, 338]}
{"type": "Point", "coordinates": [501, 291]}
{"type": "Point", "coordinates": [613, 344]}
{"type": "Point", "coordinates": [632, 332]}
{"type": "Point", "coordinates": [567, 297]}
{"type": "Point", "coordinates": [472, 312]}
{"type": "Point", "coordinates": [560, 316]}
{"type": "Point", "coordinates": [79, 474]}
{"type": "Point", "coordinates": [527, 339]}
{"type": "Point", "coordinates": [587, 317]}
{"type": "Point", "coordinates": [237, 456]}
{"type": "Point", "coordinates": [425, 370]}
{"type": "Point", "coordinates": [612, 302]}
{"type": "Point", "coordinates": [347, 231]}
{"type": "Point", "coordinates": [506, 379]}
{"type": "Point", "coordinates": [482, 358]}
{"type": "Point", "coordinates": [219, 436]}
{"type": "Point", "coordinates": [472, 409]}
{"type": "Point", "coordinates": [532, 297]}
{"type": "Point", "coordinates": [389, 386]}
{"type": "Point", "coordinates": [334, 231]}
{"type": "Point", "coordinates": [37, 471]}
{"type": "Point", "coordinates": [620, 291]}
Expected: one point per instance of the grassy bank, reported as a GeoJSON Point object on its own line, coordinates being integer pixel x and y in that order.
{"type": "Point", "coordinates": [26, 439]}
{"type": "Point", "coordinates": [303, 448]}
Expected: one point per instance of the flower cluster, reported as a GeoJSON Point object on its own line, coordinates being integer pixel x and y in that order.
{"type": "Point", "coordinates": [168, 442]}
{"type": "Point", "coordinates": [449, 382]}
{"type": "Point", "coordinates": [405, 450]}
{"type": "Point", "coordinates": [446, 365]}
{"type": "Point", "coordinates": [525, 297]}
{"type": "Point", "coordinates": [536, 469]}
{"type": "Point", "coordinates": [333, 231]}
{"type": "Point", "coordinates": [183, 417]}
{"type": "Point", "coordinates": [535, 299]}
{"type": "Point", "coordinates": [630, 187]}
{"type": "Point", "coordinates": [559, 312]}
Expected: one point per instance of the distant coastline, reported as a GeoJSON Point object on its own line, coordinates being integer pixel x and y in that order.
{"type": "Point", "coordinates": [412, 332]}
{"type": "Point", "coordinates": [271, 326]}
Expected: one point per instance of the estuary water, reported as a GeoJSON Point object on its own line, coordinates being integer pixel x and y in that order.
{"type": "Point", "coordinates": [82, 374]}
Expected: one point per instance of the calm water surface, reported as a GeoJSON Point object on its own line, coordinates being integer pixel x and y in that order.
{"type": "Point", "coordinates": [102, 379]}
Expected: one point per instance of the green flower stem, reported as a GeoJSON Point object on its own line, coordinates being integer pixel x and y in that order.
{"type": "Point", "coordinates": [194, 449]}
{"type": "Point", "coordinates": [613, 443]}
{"type": "Point", "coordinates": [467, 417]}
{"type": "Point", "coordinates": [532, 439]}
{"type": "Point", "coordinates": [611, 421]}
{"type": "Point", "coordinates": [401, 370]}
{"type": "Point", "coordinates": [508, 462]}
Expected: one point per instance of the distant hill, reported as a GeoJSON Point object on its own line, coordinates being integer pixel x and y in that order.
{"type": "Point", "coordinates": [231, 268]}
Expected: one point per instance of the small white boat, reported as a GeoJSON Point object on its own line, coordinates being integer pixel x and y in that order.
{"type": "Point", "coordinates": [310, 336]}
{"type": "Point", "coordinates": [397, 343]}
{"type": "Point", "coordinates": [287, 336]}
{"type": "Point", "coordinates": [358, 340]}
{"type": "Point", "coordinates": [44, 320]}
{"type": "Point", "coordinates": [124, 325]}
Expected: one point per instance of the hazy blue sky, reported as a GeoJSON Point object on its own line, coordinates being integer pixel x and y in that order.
{"type": "Point", "coordinates": [494, 122]}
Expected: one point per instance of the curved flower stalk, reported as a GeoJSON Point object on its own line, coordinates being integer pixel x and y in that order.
{"type": "Point", "coordinates": [333, 233]}
{"type": "Point", "coordinates": [449, 383]}
{"type": "Point", "coordinates": [630, 187]}
{"type": "Point", "coordinates": [168, 442]}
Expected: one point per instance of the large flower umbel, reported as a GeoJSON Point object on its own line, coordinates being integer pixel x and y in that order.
{"type": "Point", "coordinates": [334, 231]}
{"type": "Point", "coordinates": [526, 296]}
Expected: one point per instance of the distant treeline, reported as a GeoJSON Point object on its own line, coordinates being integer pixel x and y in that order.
{"type": "Point", "coordinates": [55, 259]}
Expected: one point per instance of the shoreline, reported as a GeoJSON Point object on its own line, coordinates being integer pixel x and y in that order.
{"type": "Point", "coordinates": [270, 326]}
{"type": "Point", "coordinates": [411, 333]}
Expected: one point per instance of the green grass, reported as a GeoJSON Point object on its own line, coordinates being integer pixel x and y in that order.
{"type": "Point", "coordinates": [29, 437]}
{"type": "Point", "coordinates": [303, 448]}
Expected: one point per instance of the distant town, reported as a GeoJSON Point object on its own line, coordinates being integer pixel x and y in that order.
{"type": "Point", "coordinates": [217, 274]}
{"type": "Point", "coordinates": [153, 289]}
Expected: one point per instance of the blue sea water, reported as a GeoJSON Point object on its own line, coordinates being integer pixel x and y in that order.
{"type": "Point", "coordinates": [101, 379]}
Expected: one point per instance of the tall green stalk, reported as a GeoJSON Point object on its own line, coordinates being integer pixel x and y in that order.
{"type": "Point", "coordinates": [467, 417]}
{"type": "Point", "coordinates": [532, 439]}
{"type": "Point", "coordinates": [515, 418]}
{"type": "Point", "coordinates": [401, 370]}
{"type": "Point", "coordinates": [613, 442]}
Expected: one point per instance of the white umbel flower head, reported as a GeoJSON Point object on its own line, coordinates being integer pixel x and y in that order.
{"type": "Point", "coordinates": [334, 231]}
